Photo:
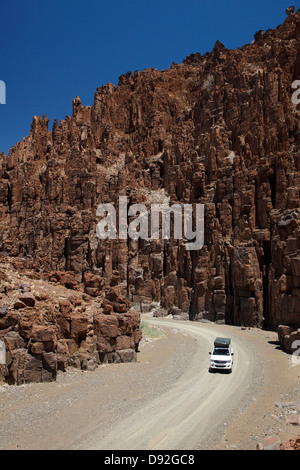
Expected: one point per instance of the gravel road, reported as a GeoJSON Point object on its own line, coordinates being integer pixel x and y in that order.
{"type": "Point", "coordinates": [196, 409]}
{"type": "Point", "coordinates": [167, 400]}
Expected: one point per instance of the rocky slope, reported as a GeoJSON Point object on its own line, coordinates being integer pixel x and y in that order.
{"type": "Point", "coordinates": [50, 324]}
{"type": "Point", "coordinates": [219, 129]}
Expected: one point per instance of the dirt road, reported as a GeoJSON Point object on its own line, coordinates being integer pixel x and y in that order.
{"type": "Point", "coordinates": [167, 400]}
{"type": "Point", "coordinates": [196, 407]}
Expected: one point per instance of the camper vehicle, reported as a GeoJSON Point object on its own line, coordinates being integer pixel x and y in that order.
{"type": "Point", "coordinates": [222, 355]}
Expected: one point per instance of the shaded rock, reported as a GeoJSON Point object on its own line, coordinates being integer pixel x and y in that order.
{"type": "Point", "coordinates": [3, 311]}
{"type": "Point", "coordinates": [33, 368]}
{"type": "Point", "coordinates": [28, 299]}
{"type": "Point", "coordinates": [19, 304]}
{"type": "Point", "coordinates": [127, 355]}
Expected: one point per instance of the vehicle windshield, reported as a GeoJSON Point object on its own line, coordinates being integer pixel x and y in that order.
{"type": "Point", "coordinates": [221, 352]}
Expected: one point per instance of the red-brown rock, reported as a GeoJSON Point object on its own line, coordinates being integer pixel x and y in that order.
{"type": "Point", "coordinates": [219, 129]}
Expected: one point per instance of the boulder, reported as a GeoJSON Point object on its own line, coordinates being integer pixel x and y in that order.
{"type": "Point", "coordinates": [28, 299]}
{"type": "Point", "coordinates": [127, 355]}
{"type": "Point", "coordinates": [271, 443]}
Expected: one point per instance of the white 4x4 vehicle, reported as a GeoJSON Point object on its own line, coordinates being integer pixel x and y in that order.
{"type": "Point", "coordinates": [222, 355]}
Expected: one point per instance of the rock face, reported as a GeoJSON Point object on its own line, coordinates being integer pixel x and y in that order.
{"type": "Point", "coordinates": [50, 327]}
{"type": "Point", "coordinates": [289, 338]}
{"type": "Point", "coordinates": [220, 129]}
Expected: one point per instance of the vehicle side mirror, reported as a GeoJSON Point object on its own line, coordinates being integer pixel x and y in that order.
{"type": "Point", "coordinates": [232, 354]}
{"type": "Point", "coordinates": [209, 353]}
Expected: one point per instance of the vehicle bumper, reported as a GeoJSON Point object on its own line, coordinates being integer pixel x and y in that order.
{"type": "Point", "coordinates": [221, 366]}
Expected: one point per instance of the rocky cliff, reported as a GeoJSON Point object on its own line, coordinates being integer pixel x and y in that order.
{"type": "Point", "coordinates": [219, 129]}
{"type": "Point", "coordinates": [49, 325]}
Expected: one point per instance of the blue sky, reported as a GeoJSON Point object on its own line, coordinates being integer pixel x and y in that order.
{"type": "Point", "coordinates": [52, 51]}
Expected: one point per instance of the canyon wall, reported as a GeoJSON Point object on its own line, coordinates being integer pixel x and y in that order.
{"type": "Point", "coordinates": [219, 129]}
